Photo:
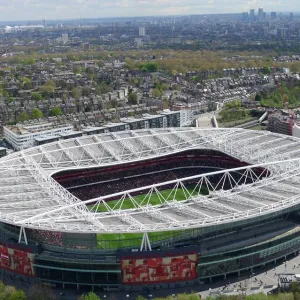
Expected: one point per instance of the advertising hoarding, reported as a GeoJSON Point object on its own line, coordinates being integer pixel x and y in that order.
{"type": "Point", "coordinates": [159, 270]}
{"type": "Point", "coordinates": [16, 261]}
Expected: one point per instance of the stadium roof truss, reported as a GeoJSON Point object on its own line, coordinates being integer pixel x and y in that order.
{"type": "Point", "coordinates": [31, 198]}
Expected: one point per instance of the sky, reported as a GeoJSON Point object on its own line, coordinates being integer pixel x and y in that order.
{"type": "Point", "coordinates": [15, 10]}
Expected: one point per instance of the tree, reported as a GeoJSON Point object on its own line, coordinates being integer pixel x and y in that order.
{"type": "Point", "coordinates": [55, 111]}
{"type": "Point", "coordinates": [36, 114]}
{"type": "Point", "coordinates": [86, 90]}
{"type": "Point", "coordinates": [65, 95]}
{"type": "Point", "coordinates": [267, 70]}
{"type": "Point", "coordinates": [77, 70]}
{"type": "Point", "coordinates": [17, 295]}
{"type": "Point", "coordinates": [149, 67]}
{"type": "Point", "coordinates": [132, 98]}
{"type": "Point", "coordinates": [295, 287]}
{"type": "Point", "coordinates": [40, 292]}
{"type": "Point", "coordinates": [114, 103]}
{"type": "Point", "coordinates": [28, 61]}
{"type": "Point", "coordinates": [76, 93]}
{"type": "Point", "coordinates": [297, 296]}
{"type": "Point", "coordinates": [156, 93]}
{"type": "Point", "coordinates": [103, 88]}
{"type": "Point", "coordinates": [36, 96]}
{"type": "Point", "coordinates": [48, 88]}
{"type": "Point", "coordinates": [164, 87]}
{"type": "Point", "coordinates": [51, 83]}
{"type": "Point", "coordinates": [258, 97]}
{"type": "Point", "coordinates": [22, 117]}
{"type": "Point", "coordinates": [27, 84]}
{"type": "Point", "coordinates": [89, 296]}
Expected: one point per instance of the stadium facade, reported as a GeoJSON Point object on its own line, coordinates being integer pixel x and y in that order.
{"type": "Point", "coordinates": [150, 208]}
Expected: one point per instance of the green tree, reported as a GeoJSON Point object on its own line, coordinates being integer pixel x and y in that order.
{"type": "Point", "coordinates": [258, 97]}
{"type": "Point", "coordinates": [3, 93]}
{"type": "Point", "coordinates": [55, 111]}
{"type": "Point", "coordinates": [22, 117]}
{"type": "Point", "coordinates": [77, 70]}
{"type": "Point", "coordinates": [76, 93]}
{"type": "Point", "coordinates": [65, 95]}
{"type": "Point", "coordinates": [28, 61]}
{"type": "Point", "coordinates": [132, 98]}
{"type": "Point", "coordinates": [156, 93]}
{"type": "Point", "coordinates": [267, 70]}
{"type": "Point", "coordinates": [297, 295]}
{"type": "Point", "coordinates": [86, 90]}
{"type": "Point", "coordinates": [40, 292]}
{"type": "Point", "coordinates": [164, 87]}
{"type": "Point", "coordinates": [36, 96]}
{"type": "Point", "coordinates": [48, 88]}
{"type": "Point", "coordinates": [36, 114]}
{"type": "Point", "coordinates": [149, 67]}
{"type": "Point", "coordinates": [17, 295]}
{"type": "Point", "coordinates": [89, 296]}
{"type": "Point", "coordinates": [27, 84]}
{"type": "Point", "coordinates": [295, 287]}
{"type": "Point", "coordinates": [103, 88]}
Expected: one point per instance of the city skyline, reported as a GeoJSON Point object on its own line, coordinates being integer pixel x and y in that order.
{"type": "Point", "coordinates": [20, 10]}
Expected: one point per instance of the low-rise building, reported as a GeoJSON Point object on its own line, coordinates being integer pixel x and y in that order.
{"type": "Point", "coordinates": [26, 136]}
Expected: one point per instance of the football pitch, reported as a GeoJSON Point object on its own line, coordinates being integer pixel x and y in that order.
{"type": "Point", "coordinates": [113, 241]}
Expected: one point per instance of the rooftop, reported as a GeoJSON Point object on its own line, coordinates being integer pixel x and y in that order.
{"type": "Point", "coordinates": [35, 127]}
{"type": "Point", "coordinates": [30, 197]}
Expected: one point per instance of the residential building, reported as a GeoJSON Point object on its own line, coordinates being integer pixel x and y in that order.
{"type": "Point", "coordinates": [138, 42]}
{"type": "Point", "coordinates": [26, 136]}
{"type": "Point", "coordinates": [142, 31]}
{"type": "Point", "coordinates": [65, 37]}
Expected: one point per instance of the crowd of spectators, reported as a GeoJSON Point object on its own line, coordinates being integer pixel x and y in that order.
{"type": "Point", "coordinates": [47, 237]}
{"type": "Point", "coordinates": [93, 183]}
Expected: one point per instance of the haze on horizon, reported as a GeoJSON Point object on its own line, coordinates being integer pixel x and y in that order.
{"type": "Point", "coordinates": [17, 10]}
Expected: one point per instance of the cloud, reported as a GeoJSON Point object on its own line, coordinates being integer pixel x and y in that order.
{"type": "Point", "coordinates": [66, 9]}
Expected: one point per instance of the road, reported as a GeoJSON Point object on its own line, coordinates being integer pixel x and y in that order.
{"type": "Point", "coordinates": [204, 120]}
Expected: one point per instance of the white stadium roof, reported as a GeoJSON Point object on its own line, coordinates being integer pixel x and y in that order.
{"type": "Point", "coordinates": [31, 198]}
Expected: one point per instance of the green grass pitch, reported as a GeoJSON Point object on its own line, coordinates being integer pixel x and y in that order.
{"type": "Point", "coordinates": [113, 241]}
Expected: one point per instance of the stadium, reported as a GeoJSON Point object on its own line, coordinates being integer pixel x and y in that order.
{"type": "Point", "coordinates": [150, 209]}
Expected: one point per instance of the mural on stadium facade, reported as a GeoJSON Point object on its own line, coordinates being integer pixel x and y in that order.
{"type": "Point", "coordinates": [16, 261]}
{"type": "Point", "coordinates": [165, 269]}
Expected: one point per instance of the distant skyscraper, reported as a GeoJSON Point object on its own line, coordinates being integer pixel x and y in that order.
{"type": "Point", "coordinates": [44, 23]}
{"type": "Point", "coordinates": [260, 13]}
{"type": "Point", "coordinates": [245, 16]}
{"type": "Point", "coordinates": [65, 37]}
{"type": "Point", "coordinates": [252, 14]}
{"type": "Point", "coordinates": [273, 15]}
{"type": "Point", "coordinates": [142, 31]}
{"type": "Point", "coordinates": [281, 33]}
{"type": "Point", "coordinates": [138, 42]}
{"type": "Point", "coordinates": [291, 16]}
